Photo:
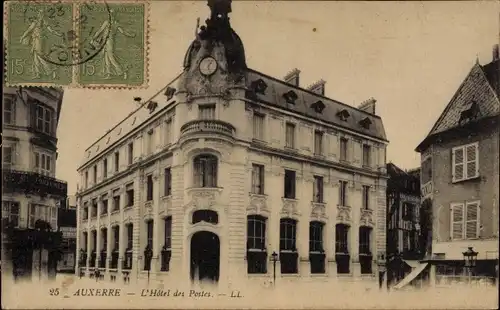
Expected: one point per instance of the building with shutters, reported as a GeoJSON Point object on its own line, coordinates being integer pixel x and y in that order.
{"type": "Point", "coordinates": [460, 176]}
{"type": "Point", "coordinates": [226, 166]}
{"type": "Point", "coordinates": [30, 191]}
{"type": "Point", "coordinates": [66, 219]}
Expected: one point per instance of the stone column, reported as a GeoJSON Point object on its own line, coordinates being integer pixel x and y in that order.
{"type": "Point", "coordinates": [98, 232]}
{"type": "Point", "coordinates": [275, 204]}
{"type": "Point", "coordinates": [304, 198]}
{"type": "Point", "coordinates": [138, 205]}
{"type": "Point", "coordinates": [157, 243]}
{"type": "Point", "coordinates": [355, 204]}
{"type": "Point", "coordinates": [122, 232]}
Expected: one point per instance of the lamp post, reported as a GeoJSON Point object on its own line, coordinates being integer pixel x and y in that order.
{"type": "Point", "coordinates": [470, 258]}
{"type": "Point", "coordinates": [80, 262]}
{"type": "Point", "coordinates": [274, 258]}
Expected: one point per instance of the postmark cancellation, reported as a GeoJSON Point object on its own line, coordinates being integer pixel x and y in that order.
{"type": "Point", "coordinates": [82, 44]}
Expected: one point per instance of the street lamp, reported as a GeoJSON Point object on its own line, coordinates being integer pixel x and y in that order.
{"type": "Point", "coordinates": [80, 262]}
{"type": "Point", "coordinates": [274, 258]}
{"type": "Point", "coordinates": [470, 258]}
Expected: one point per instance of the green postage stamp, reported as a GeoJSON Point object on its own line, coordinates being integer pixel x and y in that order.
{"type": "Point", "coordinates": [77, 43]}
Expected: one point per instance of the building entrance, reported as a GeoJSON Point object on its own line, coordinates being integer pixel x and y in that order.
{"type": "Point", "coordinates": [205, 256]}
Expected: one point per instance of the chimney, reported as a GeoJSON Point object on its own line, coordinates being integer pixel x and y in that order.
{"type": "Point", "coordinates": [318, 87]}
{"type": "Point", "coordinates": [292, 77]}
{"type": "Point", "coordinates": [495, 52]}
{"type": "Point", "coordinates": [368, 106]}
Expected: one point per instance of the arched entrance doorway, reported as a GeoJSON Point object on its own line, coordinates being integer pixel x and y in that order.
{"type": "Point", "coordinates": [205, 256]}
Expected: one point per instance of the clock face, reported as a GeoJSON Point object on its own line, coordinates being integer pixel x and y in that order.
{"type": "Point", "coordinates": [208, 66]}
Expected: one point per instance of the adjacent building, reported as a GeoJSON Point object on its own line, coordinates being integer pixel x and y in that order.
{"type": "Point", "coordinates": [67, 226]}
{"type": "Point", "coordinates": [228, 166]}
{"type": "Point", "coordinates": [405, 239]}
{"type": "Point", "coordinates": [30, 191]}
{"type": "Point", "coordinates": [460, 177]}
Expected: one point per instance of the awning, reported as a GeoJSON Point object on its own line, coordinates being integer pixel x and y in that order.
{"type": "Point", "coordinates": [411, 276]}
{"type": "Point", "coordinates": [412, 263]}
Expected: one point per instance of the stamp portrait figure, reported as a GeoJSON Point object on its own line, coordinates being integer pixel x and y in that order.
{"type": "Point", "coordinates": [35, 36]}
{"type": "Point", "coordinates": [109, 31]}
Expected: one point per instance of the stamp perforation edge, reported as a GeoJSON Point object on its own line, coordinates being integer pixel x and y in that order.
{"type": "Point", "coordinates": [75, 70]}
{"type": "Point", "coordinates": [145, 83]}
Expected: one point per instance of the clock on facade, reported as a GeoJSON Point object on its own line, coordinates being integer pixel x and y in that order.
{"type": "Point", "coordinates": [208, 65]}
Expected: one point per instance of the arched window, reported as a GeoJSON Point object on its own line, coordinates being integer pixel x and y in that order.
{"type": "Point", "coordinates": [104, 247]}
{"type": "Point", "coordinates": [256, 244]}
{"type": "Point", "coordinates": [316, 250]}
{"type": "Point", "coordinates": [365, 254]}
{"type": "Point", "coordinates": [288, 249]}
{"type": "Point", "coordinates": [208, 216]}
{"type": "Point", "coordinates": [166, 252]}
{"type": "Point", "coordinates": [205, 171]}
{"type": "Point", "coordinates": [116, 246]}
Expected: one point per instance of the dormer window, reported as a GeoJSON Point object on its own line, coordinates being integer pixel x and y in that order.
{"type": "Point", "coordinates": [343, 114]}
{"type": "Point", "coordinates": [365, 123]}
{"type": "Point", "coordinates": [290, 97]}
{"type": "Point", "coordinates": [259, 86]}
{"type": "Point", "coordinates": [318, 106]}
{"type": "Point", "coordinates": [169, 92]}
{"type": "Point", "coordinates": [152, 105]}
{"type": "Point", "coordinates": [470, 114]}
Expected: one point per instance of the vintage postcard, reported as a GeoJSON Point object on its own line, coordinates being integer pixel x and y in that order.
{"type": "Point", "coordinates": [250, 154]}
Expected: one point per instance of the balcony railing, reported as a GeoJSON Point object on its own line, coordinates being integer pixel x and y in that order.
{"type": "Point", "coordinates": [33, 183]}
{"type": "Point", "coordinates": [209, 126]}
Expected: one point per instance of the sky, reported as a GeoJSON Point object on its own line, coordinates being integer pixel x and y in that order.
{"type": "Point", "coordinates": [410, 56]}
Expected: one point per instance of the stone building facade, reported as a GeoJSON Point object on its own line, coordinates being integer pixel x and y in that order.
{"type": "Point", "coordinates": [30, 191]}
{"type": "Point", "coordinates": [460, 176]}
{"type": "Point", "coordinates": [228, 165]}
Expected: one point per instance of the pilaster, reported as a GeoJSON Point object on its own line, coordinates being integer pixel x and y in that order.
{"type": "Point", "coordinates": [122, 232]}
{"type": "Point", "coordinates": [158, 176]}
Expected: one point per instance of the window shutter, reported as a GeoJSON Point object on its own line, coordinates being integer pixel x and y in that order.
{"type": "Point", "coordinates": [472, 161]}
{"type": "Point", "coordinates": [457, 222]}
{"type": "Point", "coordinates": [458, 164]}
{"type": "Point", "coordinates": [472, 220]}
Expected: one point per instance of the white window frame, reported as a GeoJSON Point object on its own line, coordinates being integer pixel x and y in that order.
{"type": "Point", "coordinates": [258, 125]}
{"type": "Point", "coordinates": [42, 119]}
{"type": "Point", "coordinates": [7, 210]}
{"type": "Point", "coordinates": [366, 158]}
{"type": "Point", "coordinates": [465, 162]}
{"type": "Point", "coordinates": [12, 148]}
{"type": "Point", "coordinates": [343, 152]}
{"type": "Point", "coordinates": [464, 220]}
{"type": "Point", "coordinates": [49, 215]}
{"type": "Point", "coordinates": [12, 111]}
{"type": "Point", "coordinates": [43, 163]}
{"type": "Point", "coordinates": [290, 143]}
{"type": "Point", "coordinates": [206, 111]}
{"type": "Point", "coordinates": [318, 142]}
{"type": "Point", "coordinates": [168, 131]}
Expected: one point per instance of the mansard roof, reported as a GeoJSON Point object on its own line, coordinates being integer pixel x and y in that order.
{"type": "Point", "coordinates": [274, 96]}
{"type": "Point", "coordinates": [132, 121]}
{"type": "Point", "coordinates": [476, 99]}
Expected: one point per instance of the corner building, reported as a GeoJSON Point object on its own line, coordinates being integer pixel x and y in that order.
{"type": "Point", "coordinates": [228, 165]}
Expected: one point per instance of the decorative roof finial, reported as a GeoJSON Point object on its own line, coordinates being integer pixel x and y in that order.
{"type": "Point", "coordinates": [219, 8]}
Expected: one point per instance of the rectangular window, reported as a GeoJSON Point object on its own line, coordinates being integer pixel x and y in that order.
{"type": "Point", "coordinates": [149, 188]}
{"type": "Point", "coordinates": [10, 209]}
{"type": "Point", "coordinates": [318, 143]}
{"type": "Point", "coordinates": [42, 212]}
{"type": "Point", "coordinates": [94, 208]}
{"type": "Point", "coordinates": [86, 179]}
{"type": "Point", "coordinates": [8, 154]}
{"type": "Point", "coordinates": [116, 238]}
{"type": "Point", "coordinates": [290, 135]}
{"type": "Point", "coordinates": [150, 141]}
{"type": "Point", "coordinates": [465, 220]}
{"type": "Point", "coordinates": [116, 200]}
{"type": "Point", "coordinates": [318, 189]}
{"type": "Point", "coordinates": [130, 234]}
{"type": "Point", "coordinates": [43, 163]}
{"type": "Point", "coordinates": [85, 241]}
{"type": "Point", "coordinates": [258, 179]}
{"type": "Point", "coordinates": [316, 251]}
{"type": "Point", "coordinates": [341, 239]}
{"type": "Point", "coordinates": [85, 214]}
{"type": "Point", "coordinates": [168, 131]}
{"type": "Point", "coordinates": [43, 119]}
{"type": "Point", "coordinates": [105, 168]}
{"type": "Point", "coordinates": [117, 161]}
{"type": "Point", "coordinates": [95, 174]}
{"type": "Point", "coordinates": [130, 194]}
{"type": "Point", "coordinates": [104, 234]}
{"type": "Point", "coordinates": [9, 109]}
{"type": "Point", "coordinates": [343, 149]}
{"type": "Point", "coordinates": [364, 240]}
{"type": "Point", "coordinates": [366, 155]}
{"type": "Point", "coordinates": [130, 153]}
{"type": "Point", "coordinates": [465, 162]}
{"type": "Point", "coordinates": [258, 126]}
{"type": "Point", "coordinates": [168, 182]}
{"type": "Point", "coordinates": [342, 193]}
{"type": "Point", "coordinates": [206, 111]}
{"type": "Point", "coordinates": [289, 191]}
{"type": "Point", "coordinates": [366, 197]}
{"type": "Point", "coordinates": [149, 234]}
{"type": "Point", "coordinates": [166, 252]}
{"type": "Point", "coordinates": [104, 206]}
{"type": "Point", "coordinates": [256, 244]}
